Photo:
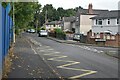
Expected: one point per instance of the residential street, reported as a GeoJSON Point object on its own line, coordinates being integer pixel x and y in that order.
{"type": "Point", "coordinates": [56, 60]}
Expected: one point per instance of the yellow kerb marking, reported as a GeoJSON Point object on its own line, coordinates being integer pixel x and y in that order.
{"type": "Point", "coordinates": [69, 63]}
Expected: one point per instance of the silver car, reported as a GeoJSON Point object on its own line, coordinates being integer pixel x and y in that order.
{"type": "Point", "coordinates": [43, 33]}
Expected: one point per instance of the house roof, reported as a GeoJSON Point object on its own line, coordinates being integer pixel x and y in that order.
{"type": "Point", "coordinates": [95, 11]}
{"type": "Point", "coordinates": [109, 14]}
{"type": "Point", "coordinates": [69, 19]}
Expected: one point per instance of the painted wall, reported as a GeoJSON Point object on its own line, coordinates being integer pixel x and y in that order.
{"type": "Point", "coordinates": [67, 25]}
{"type": "Point", "coordinates": [73, 25]}
{"type": "Point", "coordinates": [113, 26]}
{"type": "Point", "coordinates": [85, 23]}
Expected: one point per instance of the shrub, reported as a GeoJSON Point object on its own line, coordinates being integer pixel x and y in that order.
{"type": "Point", "coordinates": [60, 34]}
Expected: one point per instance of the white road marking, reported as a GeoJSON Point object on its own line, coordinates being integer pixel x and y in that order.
{"type": "Point", "coordinates": [72, 45]}
{"type": "Point", "coordinates": [34, 51]}
{"type": "Point", "coordinates": [35, 42]}
{"type": "Point", "coordinates": [101, 51]}
{"type": "Point", "coordinates": [51, 54]}
{"type": "Point", "coordinates": [113, 51]}
{"type": "Point", "coordinates": [32, 47]}
{"type": "Point", "coordinates": [50, 49]}
{"type": "Point", "coordinates": [41, 50]}
{"type": "Point", "coordinates": [47, 46]}
{"type": "Point", "coordinates": [89, 49]}
{"type": "Point", "coordinates": [56, 52]}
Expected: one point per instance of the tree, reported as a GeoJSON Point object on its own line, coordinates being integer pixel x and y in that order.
{"type": "Point", "coordinates": [49, 11]}
{"type": "Point", "coordinates": [77, 8]}
{"type": "Point", "coordinates": [70, 12]}
{"type": "Point", "coordinates": [24, 13]}
{"type": "Point", "coordinates": [61, 12]}
{"type": "Point", "coordinates": [52, 14]}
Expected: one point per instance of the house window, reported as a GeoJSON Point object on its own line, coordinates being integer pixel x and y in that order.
{"type": "Point", "coordinates": [113, 37]}
{"type": "Point", "coordinates": [77, 19]}
{"type": "Point", "coordinates": [54, 25]}
{"type": "Point", "coordinates": [96, 21]}
{"type": "Point", "coordinates": [108, 21]}
{"type": "Point", "coordinates": [117, 21]}
{"type": "Point", "coordinates": [100, 22]}
{"type": "Point", "coordinates": [104, 37]}
{"type": "Point", "coordinates": [108, 36]}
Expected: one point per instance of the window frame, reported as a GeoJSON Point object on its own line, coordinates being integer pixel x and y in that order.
{"type": "Point", "coordinates": [117, 21]}
{"type": "Point", "coordinates": [100, 22]}
{"type": "Point", "coordinates": [108, 22]}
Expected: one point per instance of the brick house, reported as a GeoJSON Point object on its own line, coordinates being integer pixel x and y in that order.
{"type": "Point", "coordinates": [83, 22]}
{"type": "Point", "coordinates": [105, 29]}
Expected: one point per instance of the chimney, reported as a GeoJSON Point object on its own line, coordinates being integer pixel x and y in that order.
{"type": "Point", "coordinates": [90, 10]}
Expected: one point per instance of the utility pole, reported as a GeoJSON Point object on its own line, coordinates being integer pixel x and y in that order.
{"type": "Point", "coordinates": [45, 17]}
{"type": "Point", "coordinates": [13, 23]}
{"type": "Point", "coordinates": [36, 25]}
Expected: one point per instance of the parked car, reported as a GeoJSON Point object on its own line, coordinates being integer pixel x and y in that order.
{"type": "Point", "coordinates": [28, 30]}
{"type": "Point", "coordinates": [31, 30]}
{"type": "Point", "coordinates": [43, 33]}
{"type": "Point", "coordinates": [77, 37]}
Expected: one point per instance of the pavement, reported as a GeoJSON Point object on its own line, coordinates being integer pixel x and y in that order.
{"type": "Point", "coordinates": [114, 54]}
{"type": "Point", "coordinates": [27, 64]}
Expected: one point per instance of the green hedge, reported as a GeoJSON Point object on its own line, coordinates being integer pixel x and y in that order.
{"type": "Point", "coordinates": [60, 34]}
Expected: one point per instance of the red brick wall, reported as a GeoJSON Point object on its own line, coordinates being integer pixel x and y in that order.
{"type": "Point", "coordinates": [113, 43]}
{"type": "Point", "coordinates": [89, 39]}
{"type": "Point", "coordinates": [101, 35]}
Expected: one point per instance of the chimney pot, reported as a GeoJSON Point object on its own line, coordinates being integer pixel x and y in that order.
{"type": "Point", "coordinates": [90, 10]}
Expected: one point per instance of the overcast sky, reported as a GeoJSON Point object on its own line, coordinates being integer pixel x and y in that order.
{"type": "Point", "coordinates": [97, 4]}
